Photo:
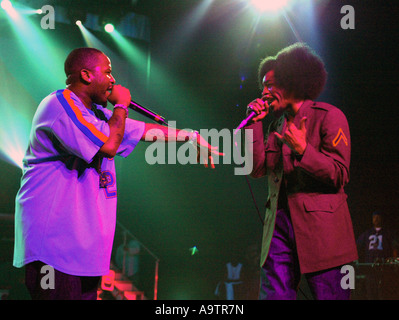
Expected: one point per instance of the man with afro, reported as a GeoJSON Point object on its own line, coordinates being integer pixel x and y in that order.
{"type": "Point", "coordinates": [305, 155]}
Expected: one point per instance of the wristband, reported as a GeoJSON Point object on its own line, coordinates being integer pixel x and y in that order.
{"type": "Point", "coordinates": [123, 107]}
{"type": "Point", "coordinates": [193, 136]}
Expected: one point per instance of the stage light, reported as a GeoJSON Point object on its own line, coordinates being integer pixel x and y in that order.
{"type": "Point", "coordinates": [6, 5]}
{"type": "Point", "coordinates": [90, 40]}
{"type": "Point", "coordinates": [194, 250]}
{"type": "Point", "coordinates": [110, 20]}
{"type": "Point", "coordinates": [268, 5]}
{"type": "Point", "coordinates": [76, 16]}
{"type": "Point", "coordinates": [14, 131]}
{"type": "Point", "coordinates": [109, 27]}
{"type": "Point", "coordinates": [31, 53]}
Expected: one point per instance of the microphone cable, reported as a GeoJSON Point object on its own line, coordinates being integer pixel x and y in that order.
{"type": "Point", "coordinates": [248, 182]}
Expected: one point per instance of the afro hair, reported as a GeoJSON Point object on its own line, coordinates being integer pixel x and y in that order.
{"type": "Point", "coordinates": [298, 70]}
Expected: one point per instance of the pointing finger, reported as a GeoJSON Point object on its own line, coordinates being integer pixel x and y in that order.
{"type": "Point", "coordinates": [279, 136]}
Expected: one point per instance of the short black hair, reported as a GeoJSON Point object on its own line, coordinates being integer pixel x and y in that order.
{"type": "Point", "coordinates": [81, 58]}
{"type": "Point", "coordinates": [377, 213]}
{"type": "Point", "coordinates": [298, 70]}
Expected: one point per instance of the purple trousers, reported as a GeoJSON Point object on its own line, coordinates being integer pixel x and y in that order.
{"type": "Point", "coordinates": [67, 287]}
{"type": "Point", "coordinates": [280, 275]}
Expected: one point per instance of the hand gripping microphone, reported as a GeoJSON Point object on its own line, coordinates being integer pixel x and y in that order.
{"type": "Point", "coordinates": [251, 115]}
{"type": "Point", "coordinates": [148, 113]}
{"type": "Point", "coordinates": [245, 121]}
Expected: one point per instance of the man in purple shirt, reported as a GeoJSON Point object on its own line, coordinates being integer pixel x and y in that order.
{"type": "Point", "coordinates": [65, 211]}
{"type": "Point", "coordinates": [305, 156]}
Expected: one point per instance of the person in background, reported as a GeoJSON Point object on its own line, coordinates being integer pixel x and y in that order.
{"type": "Point", "coordinates": [377, 245]}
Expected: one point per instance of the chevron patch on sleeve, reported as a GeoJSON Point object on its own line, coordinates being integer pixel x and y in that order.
{"type": "Point", "coordinates": [340, 137]}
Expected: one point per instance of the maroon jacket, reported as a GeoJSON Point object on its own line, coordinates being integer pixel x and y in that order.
{"type": "Point", "coordinates": [314, 185]}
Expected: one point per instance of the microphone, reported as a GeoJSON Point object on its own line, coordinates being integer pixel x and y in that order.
{"type": "Point", "coordinates": [245, 121]}
{"type": "Point", "coordinates": [148, 113]}
{"type": "Point", "coordinates": [269, 99]}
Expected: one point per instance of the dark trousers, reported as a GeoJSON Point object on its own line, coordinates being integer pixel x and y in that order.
{"type": "Point", "coordinates": [280, 275]}
{"type": "Point", "coordinates": [66, 287]}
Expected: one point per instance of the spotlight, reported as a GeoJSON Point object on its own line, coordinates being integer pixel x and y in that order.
{"type": "Point", "coordinates": [109, 21]}
{"type": "Point", "coordinates": [109, 27]}
{"type": "Point", "coordinates": [76, 16]}
{"type": "Point", "coordinates": [268, 5]}
{"type": "Point", "coordinates": [6, 4]}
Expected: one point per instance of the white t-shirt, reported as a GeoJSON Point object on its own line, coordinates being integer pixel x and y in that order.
{"type": "Point", "coordinates": [62, 216]}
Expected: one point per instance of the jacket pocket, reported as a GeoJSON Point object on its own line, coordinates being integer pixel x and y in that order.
{"type": "Point", "coordinates": [323, 202]}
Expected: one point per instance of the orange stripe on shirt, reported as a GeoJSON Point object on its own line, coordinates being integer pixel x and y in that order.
{"type": "Point", "coordinates": [67, 95]}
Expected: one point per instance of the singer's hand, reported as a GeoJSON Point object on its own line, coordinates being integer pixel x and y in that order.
{"type": "Point", "coordinates": [260, 107]}
{"type": "Point", "coordinates": [295, 138]}
{"type": "Point", "coordinates": [120, 95]}
{"type": "Point", "coordinates": [206, 152]}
